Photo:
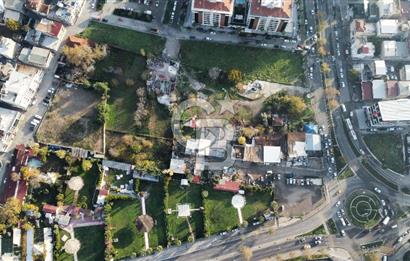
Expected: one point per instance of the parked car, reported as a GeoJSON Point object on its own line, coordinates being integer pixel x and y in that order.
{"type": "Point", "coordinates": [377, 190]}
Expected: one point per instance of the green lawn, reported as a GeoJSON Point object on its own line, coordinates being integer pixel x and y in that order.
{"type": "Point", "coordinates": [89, 179]}
{"type": "Point", "coordinates": [118, 67]}
{"type": "Point", "coordinates": [124, 213]}
{"type": "Point", "coordinates": [178, 227]}
{"type": "Point", "coordinates": [126, 39]}
{"type": "Point", "coordinates": [255, 63]}
{"type": "Point", "coordinates": [388, 149]}
{"type": "Point", "coordinates": [92, 243]}
{"type": "Point", "coordinates": [130, 240]}
{"type": "Point", "coordinates": [256, 204]}
{"type": "Point", "coordinates": [219, 213]}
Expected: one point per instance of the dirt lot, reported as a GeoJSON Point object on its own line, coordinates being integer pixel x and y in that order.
{"type": "Point", "coordinates": [71, 120]}
{"type": "Point", "coordinates": [297, 200]}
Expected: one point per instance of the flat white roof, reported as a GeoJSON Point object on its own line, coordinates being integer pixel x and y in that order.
{"type": "Point", "coordinates": [298, 150]}
{"type": "Point", "coordinates": [17, 236]}
{"type": "Point", "coordinates": [7, 119]}
{"type": "Point", "coordinates": [29, 244]}
{"type": "Point", "coordinates": [313, 142]}
{"type": "Point", "coordinates": [379, 89]}
{"type": "Point", "coordinates": [272, 154]}
{"type": "Point", "coordinates": [380, 67]}
{"type": "Point", "coordinates": [202, 146]}
{"type": "Point", "coordinates": [177, 166]}
{"type": "Point", "coordinates": [389, 26]}
{"type": "Point", "coordinates": [395, 110]}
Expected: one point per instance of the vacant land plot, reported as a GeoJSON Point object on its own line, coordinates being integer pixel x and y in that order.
{"type": "Point", "coordinates": [126, 39]}
{"type": "Point", "coordinates": [87, 192]}
{"type": "Point", "coordinates": [388, 149]}
{"type": "Point", "coordinates": [122, 70]}
{"type": "Point", "coordinates": [256, 204]}
{"type": "Point", "coordinates": [178, 227]}
{"type": "Point", "coordinates": [255, 63]}
{"type": "Point", "coordinates": [362, 209]}
{"type": "Point", "coordinates": [71, 120]}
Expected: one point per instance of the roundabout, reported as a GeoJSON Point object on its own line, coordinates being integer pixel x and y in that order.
{"type": "Point", "coordinates": [363, 209]}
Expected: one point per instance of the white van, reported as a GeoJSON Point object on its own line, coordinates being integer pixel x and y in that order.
{"type": "Point", "coordinates": [38, 117]}
{"type": "Point", "coordinates": [343, 107]}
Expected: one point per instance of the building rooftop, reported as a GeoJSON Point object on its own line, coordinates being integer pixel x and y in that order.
{"type": "Point", "coordinates": [271, 8]}
{"type": "Point", "coordinates": [272, 154]}
{"type": "Point", "coordinates": [223, 6]}
{"type": "Point", "coordinates": [394, 49]}
{"type": "Point", "coordinates": [395, 110]}
{"type": "Point", "coordinates": [392, 89]}
{"type": "Point", "coordinates": [379, 89]}
{"type": "Point", "coordinates": [313, 142]}
{"type": "Point", "coordinates": [178, 166]}
{"type": "Point", "coordinates": [183, 210]}
{"type": "Point", "coordinates": [7, 47]}
{"type": "Point", "coordinates": [388, 26]}
{"type": "Point", "coordinates": [16, 5]}
{"type": "Point", "coordinates": [380, 67]}
{"type": "Point", "coordinates": [367, 91]}
{"type": "Point", "coordinates": [230, 186]}
{"type": "Point", "coordinates": [49, 27]}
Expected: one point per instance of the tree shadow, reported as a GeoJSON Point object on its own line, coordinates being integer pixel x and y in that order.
{"type": "Point", "coordinates": [125, 237]}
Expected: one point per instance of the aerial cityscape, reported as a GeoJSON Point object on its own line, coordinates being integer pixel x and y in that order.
{"type": "Point", "coordinates": [204, 130]}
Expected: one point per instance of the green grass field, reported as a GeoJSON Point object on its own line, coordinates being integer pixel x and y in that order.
{"type": "Point", "coordinates": [255, 63]}
{"type": "Point", "coordinates": [123, 38]}
{"type": "Point", "coordinates": [130, 240]}
{"type": "Point", "coordinates": [256, 204]}
{"type": "Point", "coordinates": [178, 227]}
{"type": "Point", "coordinates": [388, 149]}
{"type": "Point", "coordinates": [92, 242]}
{"type": "Point", "coordinates": [122, 101]}
{"type": "Point", "coordinates": [219, 213]}
{"type": "Point", "coordinates": [89, 179]}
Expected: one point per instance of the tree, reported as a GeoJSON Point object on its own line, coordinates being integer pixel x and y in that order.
{"type": "Point", "coordinates": [325, 68]}
{"type": "Point", "coordinates": [10, 211]}
{"type": "Point", "coordinates": [322, 50]}
{"type": "Point", "coordinates": [275, 207]}
{"type": "Point", "coordinates": [331, 92]}
{"type": "Point", "coordinates": [61, 154]}
{"type": "Point", "coordinates": [235, 75]}
{"type": "Point", "coordinates": [29, 173]}
{"type": "Point", "coordinates": [247, 253]}
{"type": "Point", "coordinates": [13, 25]}
{"type": "Point", "coordinates": [249, 132]}
{"type": "Point", "coordinates": [86, 165]}
{"type": "Point", "coordinates": [43, 153]}
{"type": "Point", "coordinates": [35, 182]}
{"type": "Point", "coordinates": [102, 87]}
{"type": "Point", "coordinates": [297, 106]}
{"type": "Point", "coordinates": [15, 176]}
{"type": "Point", "coordinates": [332, 104]}
{"type": "Point", "coordinates": [241, 140]}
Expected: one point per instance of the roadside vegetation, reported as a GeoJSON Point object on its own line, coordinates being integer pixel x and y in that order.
{"type": "Point", "coordinates": [388, 149]}
{"type": "Point", "coordinates": [347, 173]}
{"type": "Point", "coordinates": [320, 230]}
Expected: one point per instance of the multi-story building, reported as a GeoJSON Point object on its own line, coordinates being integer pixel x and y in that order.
{"type": "Point", "coordinates": [212, 12]}
{"type": "Point", "coordinates": [270, 16]}
{"type": "Point", "coordinates": [256, 16]}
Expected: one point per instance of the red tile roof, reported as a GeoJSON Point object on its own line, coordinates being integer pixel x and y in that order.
{"type": "Point", "coordinates": [392, 89]}
{"type": "Point", "coordinates": [73, 40]}
{"type": "Point", "coordinates": [103, 192]}
{"type": "Point", "coordinates": [367, 91]}
{"type": "Point", "coordinates": [22, 190]}
{"type": "Point", "coordinates": [230, 186]}
{"type": "Point", "coordinates": [258, 10]}
{"type": "Point", "coordinates": [222, 6]}
{"type": "Point", "coordinates": [47, 208]}
{"type": "Point", "coordinates": [56, 28]}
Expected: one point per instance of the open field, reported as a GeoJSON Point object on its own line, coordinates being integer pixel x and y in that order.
{"type": "Point", "coordinates": [126, 39]}
{"type": "Point", "coordinates": [220, 215]}
{"type": "Point", "coordinates": [124, 213]}
{"type": "Point", "coordinates": [118, 69]}
{"type": "Point", "coordinates": [90, 180]}
{"type": "Point", "coordinates": [256, 204]}
{"type": "Point", "coordinates": [92, 242]}
{"type": "Point", "coordinates": [255, 63]}
{"type": "Point", "coordinates": [388, 149]}
{"type": "Point", "coordinates": [178, 227]}
{"type": "Point", "coordinates": [72, 122]}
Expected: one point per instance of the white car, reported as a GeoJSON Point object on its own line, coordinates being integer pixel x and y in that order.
{"type": "Point", "coordinates": [383, 202]}
{"type": "Point", "coordinates": [338, 203]}
{"type": "Point", "coordinates": [377, 190]}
